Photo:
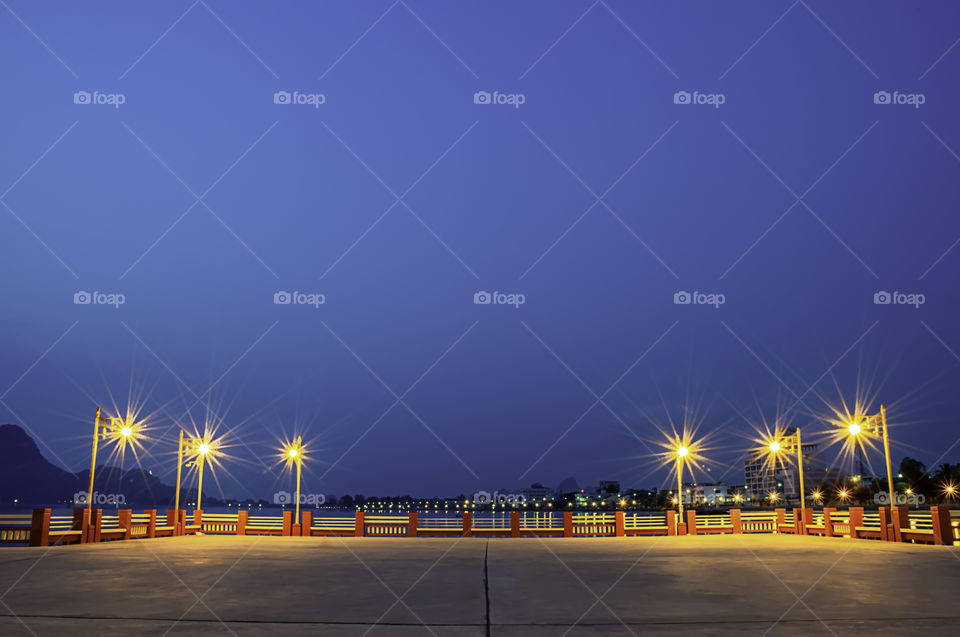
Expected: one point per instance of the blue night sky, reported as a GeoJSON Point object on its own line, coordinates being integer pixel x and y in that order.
{"type": "Point", "coordinates": [398, 198]}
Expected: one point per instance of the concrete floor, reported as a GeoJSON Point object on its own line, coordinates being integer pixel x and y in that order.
{"type": "Point", "coordinates": [704, 585]}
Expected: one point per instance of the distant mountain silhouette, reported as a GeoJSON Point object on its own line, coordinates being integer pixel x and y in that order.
{"type": "Point", "coordinates": [29, 478]}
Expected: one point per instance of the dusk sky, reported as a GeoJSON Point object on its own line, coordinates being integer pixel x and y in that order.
{"type": "Point", "coordinates": [591, 162]}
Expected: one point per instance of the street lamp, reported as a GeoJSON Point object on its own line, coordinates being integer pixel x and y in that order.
{"type": "Point", "coordinates": [682, 452]}
{"type": "Point", "coordinates": [105, 427]}
{"type": "Point", "coordinates": [294, 453]}
{"type": "Point", "coordinates": [875, 425]}
{"type": "Point", "coordinates": [780, 445]}
{"type": "Point", "coordinates": [201, 448]}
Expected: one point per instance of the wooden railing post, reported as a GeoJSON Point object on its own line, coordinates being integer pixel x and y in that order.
{"type": "Point", "coordinates": [40, 527]}
{"type": "Point", "coordinates": [672, 523]}
{"type": "Point", "coordinates": [691, 522]}
{"type": "Point", "coordinates": [242, 518]}
{"type": "Point", "coordinates": [827, 522]}
{"type": "Point", "coordinates": [514, 524]}
{"type": "Point", "coordinates": [287, 523]}
{"type": "Point", "coordinates": [151, 523]}
{"type": "Point", "coordinates": [125, 522]}
{"type": "Point", "coordinates": [81, 522]}
{"type": "Point", "coordinates": [198, 519]}
{"type": "Point", "coordinates": [781, 518]}
{"type": "Point", "coordinates": [96, 525]}
{"type": "Point", "coordinates": [942, 531]}
{"type": "Point", "coordinates": [359, 526]}
{"type": "Point", "coordinates": [173, 519]}
{"type": "Point", "coordinates": [619, 529]}
{"type": "Point", "coordinates": [886, 530]}
{"type": "Point", "coordinates": [467, 524]}
{"type": "Point", "coordinates": [412, 524]}
{"type": "Point", "coordinates": [856, 520]}
{"type": "Point", "coordinates": [568, 524]}
{"type": "Point", "coordinates": [735, 521]}
{"type": "Point", "coordinates": [807, 515]}
{"type": "Point", "coordinates": [306, 523]}
{"type": "Point", "coordinates": [901, 520]}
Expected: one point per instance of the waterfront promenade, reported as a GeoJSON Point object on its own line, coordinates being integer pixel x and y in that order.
{"type": "Point", "coordinates": [672, 585]}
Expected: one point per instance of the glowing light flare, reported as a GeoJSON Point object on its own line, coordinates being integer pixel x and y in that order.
{"type": "Point", "coordinates": [854, 429]}
{"type": "Point", "coordinates": [682, 451]}
{"type": "Point", "coordinates": [774, 446]}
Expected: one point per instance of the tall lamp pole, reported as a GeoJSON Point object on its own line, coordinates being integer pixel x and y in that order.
{"type": "Point", "coordinates": [106, 427]}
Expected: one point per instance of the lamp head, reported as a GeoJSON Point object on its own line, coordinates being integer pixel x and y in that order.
{"type": "Point", "coordinates": [854, 429]}
{"type": "Point", "coordinates": [682, 451]}
{"type": "Point", "coordinates": [774, 446]}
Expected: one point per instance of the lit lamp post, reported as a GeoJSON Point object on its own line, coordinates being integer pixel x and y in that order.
{"type": "Point", "coordinates": [294, 453]}
{"type": "Point", "coordinates": [777, 448]}
{"type": "Point", "coordinates": [682, 452]}
{"type": "Point", "coordinates": [201, 448]}
{"type": "Point", "coordinates": [875, 425]}
{"type": "Point", "coordinates": [105, 427]}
